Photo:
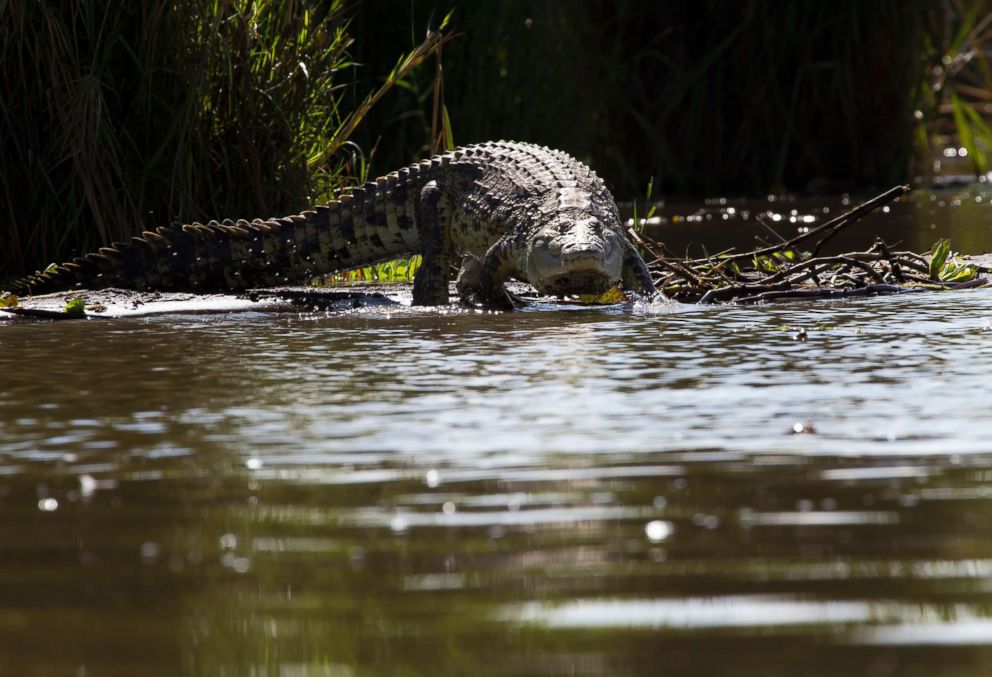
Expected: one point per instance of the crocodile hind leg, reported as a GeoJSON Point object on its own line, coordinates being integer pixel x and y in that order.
{"type": "Point", "coordinates": [635, 275]}
{"type": "Point", "coordinates": [430, 284]}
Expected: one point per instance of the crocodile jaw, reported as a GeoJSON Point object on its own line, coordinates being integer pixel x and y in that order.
{"type": "Point", "coordinates": [566, 265]}
{"type": "Point", "coordinates": [574, 281]}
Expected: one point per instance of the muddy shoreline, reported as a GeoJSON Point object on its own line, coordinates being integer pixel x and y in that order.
{"type": "Point", "coordinates": [118, 303]}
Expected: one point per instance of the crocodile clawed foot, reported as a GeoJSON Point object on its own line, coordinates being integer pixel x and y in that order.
{"type": "Point", "coordinates": [470, 288]}
{"type": "Point", "coordinates": [502, 300]}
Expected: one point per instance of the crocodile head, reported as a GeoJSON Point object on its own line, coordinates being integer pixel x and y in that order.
{"type": "Point", "coordinates": [580, 256]}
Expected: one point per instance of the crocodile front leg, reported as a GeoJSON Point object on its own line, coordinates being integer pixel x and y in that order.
{"type": "Point", "coordinates": [497, 268]}
{"type": "Point", "coordinates": [430, 284]}
{"type": "Point", "coordinates": [635, 275]}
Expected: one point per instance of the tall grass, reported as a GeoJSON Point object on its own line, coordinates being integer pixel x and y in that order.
{"type": "Point", "coordinates": [958, 96]}
{"type": "Point", "coordinates": [128, 114]}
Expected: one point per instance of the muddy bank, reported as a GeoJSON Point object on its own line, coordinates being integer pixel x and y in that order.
{"type": "Point", "coordinates": [114, 303]}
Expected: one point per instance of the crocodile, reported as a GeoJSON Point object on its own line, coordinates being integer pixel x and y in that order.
{"type": "Point", "coordinates": [512, 210]}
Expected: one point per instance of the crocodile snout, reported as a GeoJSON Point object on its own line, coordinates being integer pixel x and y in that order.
{"type": "Point", "coordinates": [574, 266]}
{"type": "Point", "coordinates": [574, 254]}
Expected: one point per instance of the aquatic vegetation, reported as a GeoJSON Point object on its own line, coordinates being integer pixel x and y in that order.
{"type": "Point", "coordinates": [944, 267]}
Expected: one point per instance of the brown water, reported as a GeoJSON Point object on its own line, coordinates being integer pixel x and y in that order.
{"type": "Point", "coordinates": [560, 491]}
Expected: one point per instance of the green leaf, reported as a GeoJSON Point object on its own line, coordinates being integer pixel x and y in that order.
{"type": "Point", "coordinates": [980, 131]}
{"type": "Point", "coordinates": [75, 306]}
{"type": "Point", "coordinates": [944, 268]}
{"type": "Point", "coordinates": [938, 257]}
{"type": "Point", "coordinates": [449, 137]}
{"type": "Point", "coordinates": [446, 20]}
{"type": "Point", "coordinates": [8, 300]}
{"type": "Point", "coordinates": [611, 297]}
{"type": "Point", "coordinates": [971, 128]}
{"type": "Point", "coordinates": [958, 272]}
{"type": "Point", "coordinates": [653, 207]}
{"type": "Point", "coordinates": [765, 264]}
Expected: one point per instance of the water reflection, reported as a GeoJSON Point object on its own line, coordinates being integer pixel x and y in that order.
{"type": "Point", "coordinates": [586, 491]}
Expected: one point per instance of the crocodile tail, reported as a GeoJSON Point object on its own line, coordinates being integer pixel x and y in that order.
{"type": "Point", "coordinates": [227, 256]}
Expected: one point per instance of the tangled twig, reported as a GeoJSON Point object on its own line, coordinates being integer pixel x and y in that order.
{"type": "Point", "coordinates": [781, 271]}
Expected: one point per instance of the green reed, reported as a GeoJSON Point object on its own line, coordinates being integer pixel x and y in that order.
{"type": "Point", "coordinates": [122, 115]}
{"type": "Point", "coordinates": [958, 94]}
{"type": "Point", "coordinates": [388, 272]}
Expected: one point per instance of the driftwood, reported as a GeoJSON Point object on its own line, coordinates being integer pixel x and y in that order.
{"type": "Point", "coordinates": [784, 271]}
